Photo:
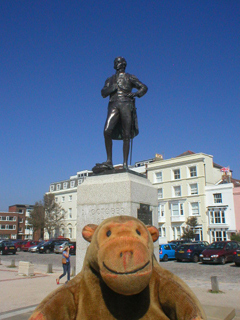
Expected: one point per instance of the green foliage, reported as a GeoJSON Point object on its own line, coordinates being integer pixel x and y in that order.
{"type": "Point", "coordinates": [189, 232]}
{"type": "Point", "coordinates": [235, 237]}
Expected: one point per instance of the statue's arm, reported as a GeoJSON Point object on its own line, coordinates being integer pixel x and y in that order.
{"type": "Point", "coordinates": [176, 298]}
{"type": "Point", "coordinates": [109, 87]}
{"type": "Point", "coordinates": [142, 88]}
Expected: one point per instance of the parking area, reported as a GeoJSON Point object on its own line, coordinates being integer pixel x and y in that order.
{"type": "Point", "coordinates": [195, 274]}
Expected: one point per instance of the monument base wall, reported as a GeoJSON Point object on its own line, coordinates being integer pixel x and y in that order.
{"type": "Point", "coordinates": [105, 196]}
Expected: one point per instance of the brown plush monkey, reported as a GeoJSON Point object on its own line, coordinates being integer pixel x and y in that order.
{"type": "Point", "coordinates": [121, 279]}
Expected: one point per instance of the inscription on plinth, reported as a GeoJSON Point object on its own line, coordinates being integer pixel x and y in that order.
{"type": "Point", "coordinates": [144, 214]}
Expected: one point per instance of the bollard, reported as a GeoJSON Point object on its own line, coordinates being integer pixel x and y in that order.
{"type": "Point", "coordinates": [49, 268]}
{"type": "Point", "coordinates": [73, 272]}
{"type": "Point", "coordinates": [13, 264]}
{"type": "Point", "coordinates": [214, 282]}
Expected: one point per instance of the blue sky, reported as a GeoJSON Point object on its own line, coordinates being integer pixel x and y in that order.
{"type": "Point", "coordinates": [56, 56]}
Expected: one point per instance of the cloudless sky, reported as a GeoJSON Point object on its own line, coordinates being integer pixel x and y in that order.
{"type": "Point", "coordinates": [56, 55]}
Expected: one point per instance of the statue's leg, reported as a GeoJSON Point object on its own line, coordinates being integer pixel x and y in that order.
{"type": "Point", "coordinates": [112, 119]}
{"type": "Point", "coordinates": [126, 119]}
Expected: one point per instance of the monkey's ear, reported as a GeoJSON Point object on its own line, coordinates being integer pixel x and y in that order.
{"type": "Point", "coordinates": [154, 232]}
{"type": "Point", "coordinates": [88, 231]}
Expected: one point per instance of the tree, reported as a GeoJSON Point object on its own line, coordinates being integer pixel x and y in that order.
{"type": "Point", "coordinates": [189, 232]}
{"type": "Point", "coordinates": [36, 219]}
{"type": "Point", "coordinates": [54, 214]}
{"type": "Point", "coordinates": [235, 237]}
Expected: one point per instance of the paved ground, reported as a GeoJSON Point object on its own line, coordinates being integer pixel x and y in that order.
{"type": "Point", "coordinates": [26, 292]}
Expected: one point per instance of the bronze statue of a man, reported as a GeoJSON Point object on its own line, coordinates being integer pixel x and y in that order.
{"type": "Point", "coordinates": [121, 123]}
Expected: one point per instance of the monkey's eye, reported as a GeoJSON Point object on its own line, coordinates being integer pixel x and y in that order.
{"type": "Point", "coordinates": [108, 233]}
{"type": "Point", "coordinates": [138, 232]}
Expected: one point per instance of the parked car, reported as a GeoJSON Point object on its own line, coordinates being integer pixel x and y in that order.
{"type": "Point", "coordinates": [35, 248]}
{"type": "Point", "coordinates": [29, 244]}
{"type": "Point", "coordinates": [219, 252]}
{"type": "Point", "coordinates": [202, 242]}
{"type": "Point", "coordinates": [72, 246]}
{"type": "Point", "coordinates": [59, 246]}
{"type": "Point", "coordinates": [236, 257]}
{"type": "Point", "coordinates": [189, 251]}
{"type": "Point", "coordinates": [7, 247]}
{"type": "Point", "coordinates": [167, 251]}
{"type": "Point", "coordinates": [48, 247]}
{"type": "Point", "coordinates": [18, 244]}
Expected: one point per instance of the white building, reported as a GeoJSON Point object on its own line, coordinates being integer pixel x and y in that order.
{"type": "Point", "coordinates": [181, 184]}
{"type": "Point", "coordinates": [220, 211]}
{"type": "Point", "coordinates": [65, 193]}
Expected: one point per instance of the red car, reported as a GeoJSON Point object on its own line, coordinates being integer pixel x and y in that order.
{"type": "Point", "coordinates": [28, 244]}
{"type": "Point", "coordinates": [219, 252]}
{"type": "Point", "coordinates": [18, 244]}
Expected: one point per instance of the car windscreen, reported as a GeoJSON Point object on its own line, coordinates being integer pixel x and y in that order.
{"type": "Point", "coordinates": [217, 245]}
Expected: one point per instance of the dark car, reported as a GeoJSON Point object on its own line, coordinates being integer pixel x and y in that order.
{"type": "Point", "coordinates": [189, 251]}
{"type": "Point", "coordinates": [7, 247]}
{"type": "Point", "coordinates": [48, 246]}
{"type": "Point", "coordinates": [72, 246]}
{"type": "Point", "coordinates": [29, 244]}
{"type": "Point", "coordinates": [35, 248]}
{"type": "Point", "coordinates": [219, 252]}
{"type": "Point", "coordinates": [236, 257]}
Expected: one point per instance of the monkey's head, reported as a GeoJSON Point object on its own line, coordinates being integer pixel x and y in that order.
{"type": "Point", "coordinates": [121, 250]}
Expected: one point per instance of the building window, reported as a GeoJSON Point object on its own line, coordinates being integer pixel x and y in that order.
{"type": "Point", "coordinates": [65, 185]}
{"type": "Point", "coordinates": [161, 212]}
{"type": "Point", "coordinates": [195, 208]}
{"type": "Point", "coordinates": [52, 187]}
{"type": "Point", "coordinates": [70, 232]}
{"type": "Point", "coordinates": [58, 186]}
{"type": "Point", "coordinates": [177, 191]}
{"type": "Point", "coordinates": [3, 226]}
{"type": "Point", "coordinates": [193, 188]}
{"type": "Point", "coordinates": [160, 193]}
{"type": "Point", "coordinates": [56, 199]}
{"type": "Point", "coordinates": [70, 213]}
{"type": "Point", "coordinates": [218, 236]}
{"type": "Point", "coordinates": [176, 174]}
{"type": "Point", "coordinates": [158, 176]}
{"type": "Point", "coordinates": [217, 197]}
{"type": "Point", "coordinates": [10, 218]}
{"type": "Point", "coordinates": [10, 227]}
{"type": "Point", "coordinates": [217, 216]}
{"type": "Point", "coordinates": [162, 232]}
{"type": "Point", "coordinates": [72, 184]}
{"type": "Point", "coordinates": [70, 198]}
{"type": "Point", "coordinates": [80, 181]}
{"type": "Point", "coordinates": [193, 171]}
{"type": "Point", "coordinates": [177, 209]}
{"type": "Point", "coordinates": [63, 199]}
{"type": "Point", "coordinates": [3, 218]}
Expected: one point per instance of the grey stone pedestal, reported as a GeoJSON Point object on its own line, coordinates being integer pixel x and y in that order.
{"type": "Point", "coordinates": [105, 196]}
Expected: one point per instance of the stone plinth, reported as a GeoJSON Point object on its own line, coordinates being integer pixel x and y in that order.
{"type": "Point", "coordinates": [25, 268]}
{"type": "Point", "coordinates": [105, 196]}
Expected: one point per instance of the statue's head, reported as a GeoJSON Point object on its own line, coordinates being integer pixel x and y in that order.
{"type": "Point", "coordinates": [120, 63]}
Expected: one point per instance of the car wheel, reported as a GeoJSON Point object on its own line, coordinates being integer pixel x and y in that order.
{"type": "Point", "coordinates": [179, 260]}
{"type": "Point", "coordinates": [165, 257]}
{"type": "Point", "coordinates": [14, 253]}
{"type": "Point", "coordinates": [47, 251]}
{"type": "Point", "coordinates": [195, 258]}
{"type": "Point", "coordinates": [222, 260]}
{"type": "Point", "coordinates": [237, 264]}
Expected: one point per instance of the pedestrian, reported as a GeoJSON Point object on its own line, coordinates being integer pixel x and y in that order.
{"type": "Point", "coordinates": [65, 264]}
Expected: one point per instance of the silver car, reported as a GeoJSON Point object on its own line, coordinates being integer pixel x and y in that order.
{"type": "Point", "coordinates": [58, 248]}
{"type": "Point", "coordinates": [36, 247]}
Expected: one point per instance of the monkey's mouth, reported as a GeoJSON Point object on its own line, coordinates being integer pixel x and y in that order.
{"type": "Point", "coordinates": [130, 272]}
